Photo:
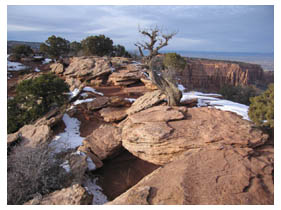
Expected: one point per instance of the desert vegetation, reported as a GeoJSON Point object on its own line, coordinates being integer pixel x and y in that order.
{"type": "Point", "coordinates": [261, 110]}
{"type": "Point", "coordinates": [35, 97]}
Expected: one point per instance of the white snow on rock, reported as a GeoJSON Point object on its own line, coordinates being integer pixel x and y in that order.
{"type": "Point", "coordinates": [83, 101]}
{"type": "Point", "coordinates": [181, 87]}
{"type": "Point", "coordinates": [70, 138]}
{"type": "Point", "coordinates": [112, 69]}
{"type": "Point", "coordinates": [211, 100]}
{"type": "Point", "coordinates": [38, 56]}
{"type": "Point", "coordinates": [73, 93]}
{"type": "Point", "coordinates": [99, 198]}
{"type": "Point", "coordinates": [130, 99]}
{"type": "Point", "coordinates": [90, 89]}
{"type": "Point", "coordinates": [16, 66]}
{"type": "Point", "coordinates": [66, 166]}
{"type": "Point", "coordinates": [37, 70]}
{"type": "Point", "coordinates": [46, 61]}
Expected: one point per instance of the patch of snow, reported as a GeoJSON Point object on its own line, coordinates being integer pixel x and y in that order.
{"type": "Point", "coordinates": [83, 101]}
{"type": "Point", "coordinates": [136, 62]}
{"type": "Point", "coordinates": [38, 56]}
{"type": "Point", "coordinates": [73, 93]}
{"type": "Point", "coordinates": [66, 166]}
{"type": "Point", "coordinates": [130, 99]}
{"type": "Point", "coordinates": [46, 61]}
{"type": "Point", "coordinates": [16, 66]}
{"type": "Point", "coordinates": [84, 95]}
{"type": "Point", "coordinates": [181, 87]}
{"type": "Point", "coordinates": [90, 89]}
{"type": "Point", "coordinates": [205, 99]}
{"type": "Point", "coordinates": [37, 70]}
{"type": "Point", "coordinates": [91, 165]}
{"type": "Point", "coordinates": [112, 69]}
{"type": "Point", "coordinates": [231, 106]}
{"type": "Point", "coordinates": [70, 138]}
{"type": "Point", "coordinates": [98, 197]}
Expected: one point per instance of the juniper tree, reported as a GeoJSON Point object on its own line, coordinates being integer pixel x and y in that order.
{"type": "Point", "coordinates": [158, 40]}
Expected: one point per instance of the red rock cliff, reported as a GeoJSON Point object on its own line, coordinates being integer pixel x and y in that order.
{"type": "Point", "coordinates": [213, 74]}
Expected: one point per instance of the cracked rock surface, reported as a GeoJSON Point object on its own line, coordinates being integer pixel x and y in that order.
{"type": "Point", "coordinates": [161, 133]}
{"type": "Point", "coordinates": [207, 176]}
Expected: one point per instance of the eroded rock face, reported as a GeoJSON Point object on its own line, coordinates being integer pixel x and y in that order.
{"type": "Point", "coordinates": [126, 77]}
{"type": "Point", "coordinates": [149, 99]}
{"type": "Point", "coordinates": [74, 195]}
{"type": "Point", "coordinates": [104, 141]}
{"type": "Point", "coordinates": [160, 134]}
{"type": "Point", "coordinates": [212, 74]}
{"type": "Point", "coordinates": [207, 176]}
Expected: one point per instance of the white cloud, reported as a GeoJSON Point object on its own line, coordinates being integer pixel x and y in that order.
{"type": "Point", "coordinates": [12, 27]}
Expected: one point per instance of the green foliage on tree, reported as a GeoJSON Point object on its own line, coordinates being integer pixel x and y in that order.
{"type": "Point", "coordinates": [174, 61]}
{"type": "Point", "coordinates": [22, 50]}
{"type": "Point", "coordinates": [55, 47]}
{"type": "Point", "coordinates": [75, 48]}
{"type": "Point", "coordinates": [239, 94]}
{"type": "Point", "coordinates": [97, 45]}
{"type": "Point", "coordinates": [120, 51]}
{"type": "Point", "coordinates": [261, 110]}
{"type": "Point", "coordinates": [35, 97]}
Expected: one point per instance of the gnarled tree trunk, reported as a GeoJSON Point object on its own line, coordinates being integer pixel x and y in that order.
{"type": "Point", "coordinates": [171, 91]}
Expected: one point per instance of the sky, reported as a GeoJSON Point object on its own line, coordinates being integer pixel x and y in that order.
{"type": "Point", "coordinates": [199, 28]}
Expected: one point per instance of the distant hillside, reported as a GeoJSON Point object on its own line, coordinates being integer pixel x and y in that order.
{"type": "Point", "coordinates": [34, 45]}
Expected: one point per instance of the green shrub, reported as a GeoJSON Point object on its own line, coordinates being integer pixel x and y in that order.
{"type": "Point", "coordinates": [261, 110]}
{"type": "Point", "coordinates": [22, 50]}
{"type": "Point", "coordinates": [97, 45]}
{"type": "Point", "coordinates": [174, 61]}
{"type": "Point", "coordinates": [120, 51]}
{"type": "Point", "coordinates": [55, 47]}
{"type": "Point", "coordinates": [238, 94]}
{"type": "Point", "coordinates": [35, 97]}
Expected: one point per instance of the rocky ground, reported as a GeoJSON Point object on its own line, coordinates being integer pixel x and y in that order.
{"type": "Point", "coordinates": [135, 149]}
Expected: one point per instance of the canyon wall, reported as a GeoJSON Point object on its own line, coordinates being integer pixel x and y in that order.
{"type": "Point", "coordinates": [214, 74]}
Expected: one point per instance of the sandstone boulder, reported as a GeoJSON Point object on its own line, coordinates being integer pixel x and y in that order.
{"type": "Point", "coordinates": [105, 141]}
{"type": "Point", "coordinates": [206, 177]}
{"type": "Point", "coordinates": [159, 134]}
{"type": "Point", "coordinates": [31, 135]}
{"type": "Point", "coordinates": [74, 195]}
{"type": "Point", "coordinates": [125, 77]}
{"type": "Point", "coordinates": [149, 99]}
{"type": "Point", "coordinates": [57, 68]}
{"type": "Point", "coordinates": [113, 114]}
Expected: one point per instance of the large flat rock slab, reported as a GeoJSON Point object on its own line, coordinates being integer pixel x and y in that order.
{"type": "Point", "coordinates": [159, 134]}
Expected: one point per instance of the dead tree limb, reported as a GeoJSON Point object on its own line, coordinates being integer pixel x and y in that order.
{"type": "Point", "coordinates": [158, 40]}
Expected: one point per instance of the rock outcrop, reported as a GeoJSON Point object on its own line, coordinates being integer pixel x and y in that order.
{"type": "Point", "coordinates": [40, 132]}
{"type": "Point", "coordinates": [149, 99]}
{"type": "Point", "coordinates": [104, 142]}
{"type": "Point", "coordinates": [207, 177]}
{"type": "Point", "coordinates": [92, 69]}
{"type": "Point", "coordinates": [74, 195]}
{"type": "Point", "coordinates": [160, 134]}
{"type": "Point", "coordinates": [126, 77]}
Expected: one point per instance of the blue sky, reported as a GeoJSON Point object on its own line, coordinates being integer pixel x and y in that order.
{"type": "Point", "coordinates": [200, 28]}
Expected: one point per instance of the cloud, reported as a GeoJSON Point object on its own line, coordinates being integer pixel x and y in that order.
{"type": "Point", "coordinates": [236, 28]}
